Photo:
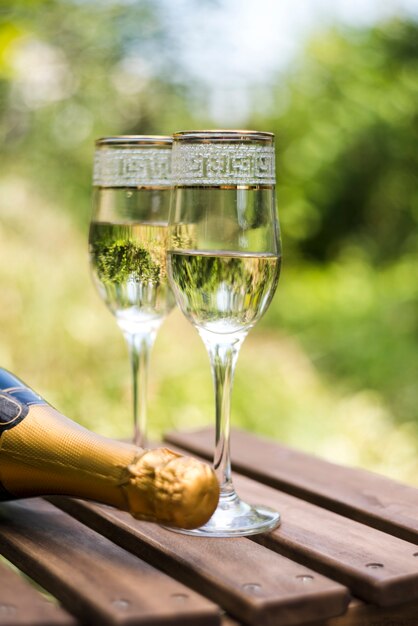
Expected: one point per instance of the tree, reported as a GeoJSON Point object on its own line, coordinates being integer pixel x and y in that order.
{"type": "Point", "coordinates": [347, 143]}
{"type": "Point", "coordinates": [74, 71]}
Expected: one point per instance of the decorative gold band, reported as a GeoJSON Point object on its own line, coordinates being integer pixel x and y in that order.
{"type": "Point", "coordinates": [213, 164]}
{"type": "Point", "coordinates": [145, 166]}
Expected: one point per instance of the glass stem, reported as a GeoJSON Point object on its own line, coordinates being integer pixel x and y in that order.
{"type": "Point", "coordinates": [140, 345]}
{"type": "Point", "coordinates": [223, 357]}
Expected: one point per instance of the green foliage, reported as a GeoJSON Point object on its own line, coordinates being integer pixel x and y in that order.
{"type": "Point", "coordinates": [74, 71]}
{"type": "Point", "coordinates": [359, 325]}
{"type": "Point", "coordinates": [117, 261]}
{"type": "Point", "coordinates": [346, 119]}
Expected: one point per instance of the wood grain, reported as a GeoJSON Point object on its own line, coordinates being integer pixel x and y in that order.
{"type": "Point", "coordinates": [228, 621]}
{"type": "Point", "coordinates": [249, 581]}
{"type": "Point", "coordinates": [361, 495]}
{"type": "Point", "coordinates": [376, 566]}
{"type": "Point", "coordinates": [22, 605]}
{"type": "Point", "coordinates": [361, 614]}
{"type": "Point", "coordinates": [93, 578]}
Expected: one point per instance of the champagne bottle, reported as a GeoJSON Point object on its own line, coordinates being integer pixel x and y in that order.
{"type": "Point", "coordinates": [42, 452]}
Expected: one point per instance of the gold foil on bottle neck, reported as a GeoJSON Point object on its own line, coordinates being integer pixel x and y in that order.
{"type": "Point", "coordinates": [164, 486]}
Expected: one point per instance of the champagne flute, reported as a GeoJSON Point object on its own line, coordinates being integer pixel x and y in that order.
{"type": "Point", "coordinates": [128, 243]}
{"type": "Point", "coordinates": [224, 261]}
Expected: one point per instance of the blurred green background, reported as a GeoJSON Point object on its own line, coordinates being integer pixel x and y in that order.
{"type": "Point", "coordinates": [332, 368]}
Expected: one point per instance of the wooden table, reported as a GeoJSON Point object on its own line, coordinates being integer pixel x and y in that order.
{"type": "Point", "coordinates": [346, 553]}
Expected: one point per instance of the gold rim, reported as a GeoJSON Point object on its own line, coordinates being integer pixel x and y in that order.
{"type": "Point", "coordinates": [135, 140]}
{"type": "Point", "coordinates": [220, 135]}
{"type": "Point", "coordinates": [237, 187]}
{"type": "Point", "coordinates": [130, 187]}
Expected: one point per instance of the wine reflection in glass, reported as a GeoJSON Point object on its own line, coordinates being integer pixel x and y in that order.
{"type": "Point", "coordinates": [128, 244]}
{"type": "Point", "coordinates": [224, 261]}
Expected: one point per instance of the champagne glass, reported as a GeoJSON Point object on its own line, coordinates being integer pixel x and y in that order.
{"type": "Point", "coordinates": [128, 243]}
{"type": "Point", "coordinates": [223, 264]}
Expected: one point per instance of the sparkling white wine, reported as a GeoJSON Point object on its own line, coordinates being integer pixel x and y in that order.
{"type": "Point", "coordinates": [223, 292]}
{"type": "Point", "coordinates": [129, 267]}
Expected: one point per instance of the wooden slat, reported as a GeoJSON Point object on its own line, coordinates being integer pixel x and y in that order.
{"type": "Point", "coordinates": [364, 496]}
{"type": "Point", "coordinates": [249, 581]}
{"type": "Point", "coordinates": [228, 621]}
{"type": "Point", "coordinates": [377, 567]}
{"type": "Point", "coordinates": [22, 605]}
{"type": "Point", "coordinates": [361, 614]}
{"type": "Point", "coordinates": [93, 578]}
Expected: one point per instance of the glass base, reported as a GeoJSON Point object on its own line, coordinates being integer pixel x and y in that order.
{"type": "Point", "coordinates": [235, 518]}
